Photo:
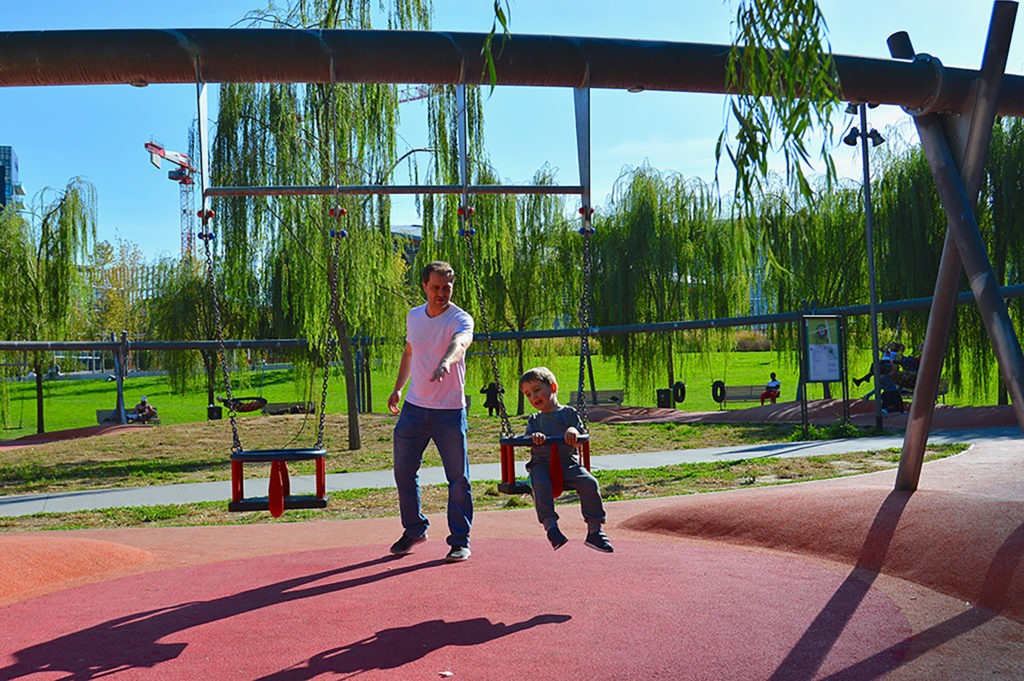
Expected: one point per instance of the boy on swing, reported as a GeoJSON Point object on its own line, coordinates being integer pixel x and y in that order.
{"type": "Point", "coordinates": [555, 420]}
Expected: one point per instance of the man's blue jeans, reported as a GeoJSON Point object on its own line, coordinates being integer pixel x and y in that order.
{"type": "Point", "coordinates": [447, 428]}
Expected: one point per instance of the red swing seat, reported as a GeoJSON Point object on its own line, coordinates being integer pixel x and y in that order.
{"type": "Point", "coordinates": [509, 484]}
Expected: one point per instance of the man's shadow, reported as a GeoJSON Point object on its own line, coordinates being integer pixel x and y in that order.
{"type": "Point", "coordinates": [991, 599]}
{"type": "Point", "coordinates": [396, 647]}
{"type": "Point", "coordinates": [132, 641]}
{"type": "Point", "coordinates": [807, 656]}
{"type": "Point", "coordinates": [810, 652]}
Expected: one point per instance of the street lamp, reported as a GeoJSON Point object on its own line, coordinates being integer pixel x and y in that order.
{"type": "Point", "coordinates": [876, 138]}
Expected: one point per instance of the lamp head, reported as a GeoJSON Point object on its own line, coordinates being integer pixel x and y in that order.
{"type": "Point", "coordinates": [876, 138]}
{"type": "Point", "coordinates": [851, 137]}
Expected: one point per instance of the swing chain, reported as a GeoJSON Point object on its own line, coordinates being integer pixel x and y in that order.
{"type": "Point", "coordinates": [332, 279]}
{"type": "Point", "coordinates": [207, 236]}
{"type": "Point", "coordinates": [336, 212]}
{"type": "Point", "coordinates": [584, 315]}
{"type": "Point", "coordinates": [467, 233]}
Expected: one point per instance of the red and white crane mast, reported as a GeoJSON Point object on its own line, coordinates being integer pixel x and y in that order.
{"type": "Point", "coordinates": [183, 176]}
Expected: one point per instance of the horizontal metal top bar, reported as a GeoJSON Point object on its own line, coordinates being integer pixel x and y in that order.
{"type": "Point", "coordinates": [326, 190]}
{"type": "Point", "coordinates": [145, 56]}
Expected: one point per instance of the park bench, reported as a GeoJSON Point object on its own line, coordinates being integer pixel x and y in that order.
{"type": "Point", "coordinates": [735, 393]}
{"type": "Point", "coordinates": [940, 394]}
{"type": "Point", "coordinates": [279, 408]}
{"type": "Point", "coordinates": [109, 416]}
{"type": "Point", "coordinates": [603, 397]}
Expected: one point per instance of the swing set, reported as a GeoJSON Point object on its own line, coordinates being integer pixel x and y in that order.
{"type": "Point", "coordinates": [279, 497]}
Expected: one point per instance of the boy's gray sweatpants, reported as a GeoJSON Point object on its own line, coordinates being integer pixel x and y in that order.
{"type": "Point", "coordinates": [576, 477]}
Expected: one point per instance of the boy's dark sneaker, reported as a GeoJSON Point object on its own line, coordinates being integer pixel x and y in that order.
{"type": "Point", "coordinates": [405, 543]}
{"type": "Point", "coordinates": [458, 554]}
{"type": "Point", "coordinates": [599, 541]}
{"type": "Point", "coordinates": [557, 539]}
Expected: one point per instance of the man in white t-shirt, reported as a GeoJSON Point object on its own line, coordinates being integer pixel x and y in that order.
{"type": "Point", "coordinates": [438, 334]}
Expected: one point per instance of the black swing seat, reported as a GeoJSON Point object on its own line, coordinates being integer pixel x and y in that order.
{"type": "Point", "coordinates": [243, 404]}
{"type": "Point", "coordinates": [279, 497]}
{"type": "Point", "coordinates": [267, 455]}
{"type": "Point", "coordinates": [527, 441]}
{"type": "Point", "coordinates": [509, 484]}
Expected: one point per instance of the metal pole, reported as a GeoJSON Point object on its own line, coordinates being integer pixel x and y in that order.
{"type": "Point", "coordinates": [972, 162]}
{"type": "Point", "coordinates": [242, 55]}
{"type": "Point", "coordinates": [375, 189]}
{"type": "Point", "coordinates": [869, 231]}
{"type": "Point", "coordinates": [120, 357]}
{"type": "Point", "coordinates": [964, 227]}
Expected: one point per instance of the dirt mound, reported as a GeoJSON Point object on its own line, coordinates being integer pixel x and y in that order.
{"type": "Point", "coordinates": [821, 412]}
{"type": "Point", "coordinates": [963, 545]}
{"type": "Point", "coordinates": [70, 434]}
{"type": "Point", "coordinates": [42, 563]}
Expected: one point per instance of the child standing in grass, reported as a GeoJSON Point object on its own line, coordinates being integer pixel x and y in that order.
{"type": "Point", "coordinates": [555, 420]}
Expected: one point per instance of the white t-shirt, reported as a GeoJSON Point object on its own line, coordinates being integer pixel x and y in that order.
{"type": "Point", "coordinates": [429, 338]}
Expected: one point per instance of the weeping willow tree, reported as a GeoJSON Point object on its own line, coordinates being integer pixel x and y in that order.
{"type": "Point", "coordinates": [121, 282]}
{"type": "Point", "coordinates": [813, 247]}
{"type": "Point", "coordinates": [910, 227]}
{"type": "Point", "coordinates": [181, 308]}
{"type": "Point", "coordinates": [41, 264]}
{"type": "Point", "coordinates": [782, 67]}
{"type": "Point", "coordinates": [811, 252]}
{"type": "Point", "coordinates": [1001, 212]}
{"type": "Point", "coordinates": [533, 283]}
{"type": "Point", "coordinates": [481, 256]}
{"type": "Point", "coordinates": [664, 254]}
{"type": "Point", "coordinates": [276, 254]}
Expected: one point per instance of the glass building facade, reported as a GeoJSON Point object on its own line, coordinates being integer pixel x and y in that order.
{"type": "Point", "coordinates": [11, 178]}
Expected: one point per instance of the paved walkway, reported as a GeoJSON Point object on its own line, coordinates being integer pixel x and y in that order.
{"type": "Point", "coordinates": [28, 504]}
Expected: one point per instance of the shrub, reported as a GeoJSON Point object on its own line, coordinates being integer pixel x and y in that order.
{"type": "Point", "coordinates": [752, 341]}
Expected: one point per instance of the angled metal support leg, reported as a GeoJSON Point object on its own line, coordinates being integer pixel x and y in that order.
{"type": "Point", "coordinates": [971, 138]}
{"type": "Point", "coordinates": [971, 247]}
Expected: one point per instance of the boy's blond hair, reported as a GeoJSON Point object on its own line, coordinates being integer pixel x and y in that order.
{"type": "Point", "coordinates": [542, 374]}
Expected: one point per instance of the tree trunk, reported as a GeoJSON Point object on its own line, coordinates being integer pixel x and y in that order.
{"type": "Point", "coordinates": [351, 389]}
{"type": "Point", "coordinates": [40, 427]}
{"type": "Point", "coordinates": [210, 365]}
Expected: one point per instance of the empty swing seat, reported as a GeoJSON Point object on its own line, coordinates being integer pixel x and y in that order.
{"type": "Point", "coordinates": [509, 484]}
{"type": "Point", "coordinates": [279, 497]}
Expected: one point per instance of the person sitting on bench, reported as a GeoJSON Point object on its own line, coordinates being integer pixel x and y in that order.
{"type": "Point", "coordinates": [144, 411]}
{"type": "Point", "coordinates": [771, 390]}
{"type": "Point", "coordinates": [892, 353]}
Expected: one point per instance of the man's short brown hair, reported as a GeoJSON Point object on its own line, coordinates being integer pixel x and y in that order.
{"type": "Point", "coordinates": [439, 266]}
{"type": "Point", "coordinates": [542, 374]}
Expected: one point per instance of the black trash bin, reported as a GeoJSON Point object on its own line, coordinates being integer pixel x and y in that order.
{"type": "Point", "coordinates": [214, 413]}
{"type": "Point", "coordinates": [664, 398]}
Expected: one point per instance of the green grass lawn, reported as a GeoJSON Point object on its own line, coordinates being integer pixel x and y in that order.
{"type": "Point", "coordinates": [73, 403]}
{"type": "Point", "coordinates": [198, 452]}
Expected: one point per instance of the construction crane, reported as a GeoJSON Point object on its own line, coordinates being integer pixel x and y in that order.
{"type": "Point", "coordinates": [183, 176]}
{"type": "Point", "coordinates": [412, 93]}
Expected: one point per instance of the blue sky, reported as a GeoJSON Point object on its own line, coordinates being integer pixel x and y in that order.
{"type": "Point", "coordinates": [98, 132]}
